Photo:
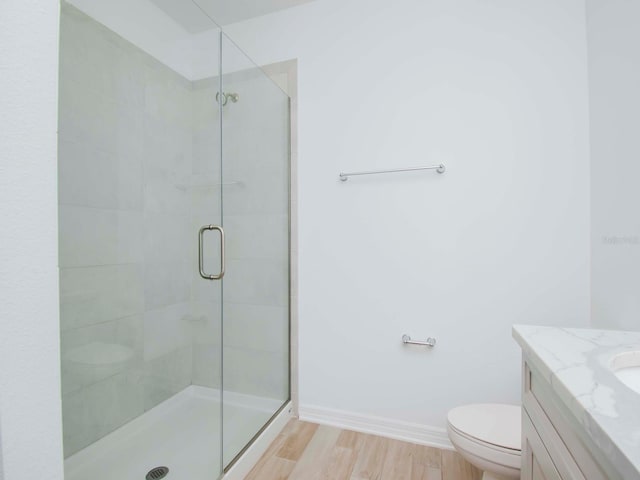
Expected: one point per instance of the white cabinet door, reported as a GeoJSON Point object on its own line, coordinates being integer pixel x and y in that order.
{"type": "Point", "coordinates": [536, 461]}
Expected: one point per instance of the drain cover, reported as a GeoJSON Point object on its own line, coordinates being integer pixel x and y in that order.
{"type": "Point", "coordinates": [157, 473]}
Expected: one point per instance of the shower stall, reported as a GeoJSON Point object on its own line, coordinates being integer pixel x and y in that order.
{"type": "Point", "coordinates": [174, 243]}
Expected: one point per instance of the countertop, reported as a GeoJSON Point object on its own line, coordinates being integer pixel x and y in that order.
{"type": "Point", "coordinates": [576, 362]}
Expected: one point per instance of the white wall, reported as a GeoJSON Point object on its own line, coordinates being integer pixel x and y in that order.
{"type": "Point", "coordinates": [497, 90]}
{"type": "Point", "coordinates": [1, 469]}
{"type": "Point", "coordinates": [614, 76]}
{"type": "Point", "coordinates": [29, 327]}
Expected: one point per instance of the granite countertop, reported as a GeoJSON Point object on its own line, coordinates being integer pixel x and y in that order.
{"type": "Point", "coordinates": [576, 363]}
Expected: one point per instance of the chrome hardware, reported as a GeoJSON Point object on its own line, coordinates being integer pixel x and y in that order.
{"type": "Point", "coordinates": [438, 168]}
{"type": "Point", "coordinates": [203, 274]}
{"type": "Point", "coordinates": [234, 97]}
{"type": "Point", "coordinates": [429, 342]}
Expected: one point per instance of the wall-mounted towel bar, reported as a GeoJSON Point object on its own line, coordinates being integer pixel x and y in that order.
{"type": "Point", "coordinates": [429, 342]}
{"type": "Point", "coordinates": [438, 168]}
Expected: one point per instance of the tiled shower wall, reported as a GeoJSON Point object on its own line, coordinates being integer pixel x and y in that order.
{"type": "Point", "coordinates": [127, 255]}
{"type": "Point", "coordinates": [256, 222]}
{"type": "Point", "coordinates": [256, 215]}
{"type": "Point", "coordinates": [139, 163]}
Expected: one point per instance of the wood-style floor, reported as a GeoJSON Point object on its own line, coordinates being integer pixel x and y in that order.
{"type": "Point", "coordinates": [306, 451]}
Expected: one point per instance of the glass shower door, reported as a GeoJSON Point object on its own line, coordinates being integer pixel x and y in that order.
{"type": "Point", "coordinates": [255, 216]}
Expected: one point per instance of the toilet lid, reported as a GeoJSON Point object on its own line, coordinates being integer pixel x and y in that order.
{"type": "Point", "coordinates": [492, 423]}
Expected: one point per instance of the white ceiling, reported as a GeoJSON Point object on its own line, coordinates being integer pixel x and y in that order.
{"type": "Point", "coordinates": [224, 12]}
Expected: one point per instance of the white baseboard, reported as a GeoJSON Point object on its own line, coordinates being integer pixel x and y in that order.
{"type": "Point", "coordinates": [383, 427]}
{"type": "Point", "coordinates": [250, 457]}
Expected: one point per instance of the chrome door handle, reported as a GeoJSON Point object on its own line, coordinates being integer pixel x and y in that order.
{"type": "Point", "coordinates": [203, 274]}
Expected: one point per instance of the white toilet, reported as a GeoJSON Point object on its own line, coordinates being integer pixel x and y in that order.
{"type": "Point", "coordinates": [489, 437]}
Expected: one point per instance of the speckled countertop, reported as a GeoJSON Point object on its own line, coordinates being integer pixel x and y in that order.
{"type": "Point", "coordinates": [576, 363]}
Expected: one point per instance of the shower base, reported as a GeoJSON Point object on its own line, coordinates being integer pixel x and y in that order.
{"type": "Point", "coordinates": [182, 433]}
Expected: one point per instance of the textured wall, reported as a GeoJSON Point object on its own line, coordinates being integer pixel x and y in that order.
{"type": "Point", "coordinates": [1, 469]}
{"type": "Point", "coordinates": [29, 325]}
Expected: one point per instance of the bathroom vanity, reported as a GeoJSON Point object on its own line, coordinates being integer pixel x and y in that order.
{"type": "Point", "coordinates": [581, 403]}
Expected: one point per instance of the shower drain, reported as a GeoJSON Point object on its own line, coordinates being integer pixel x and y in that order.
{"type": "Point", "coordinates": [157, 473]}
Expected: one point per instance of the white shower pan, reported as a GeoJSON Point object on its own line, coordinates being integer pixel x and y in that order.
{"type": "Point", "coordinates": [182, 433]}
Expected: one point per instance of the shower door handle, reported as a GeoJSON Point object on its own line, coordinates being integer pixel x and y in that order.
{"type": "Point", "coordinates": [203, 274]}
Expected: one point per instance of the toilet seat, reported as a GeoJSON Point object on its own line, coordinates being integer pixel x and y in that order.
{"type": "Point", "coordinates": [484, 451]}
{"type": "Point", "coordinates": [489, 437]}
{"type": "Point", "coordinates": [494, 424]}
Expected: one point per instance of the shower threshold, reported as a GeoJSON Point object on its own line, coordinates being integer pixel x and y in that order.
{"type": "Point", "coordinates": [182, 433]}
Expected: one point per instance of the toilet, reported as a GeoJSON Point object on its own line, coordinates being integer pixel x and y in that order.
{"type": "Point", "coordinates": [489, 437]}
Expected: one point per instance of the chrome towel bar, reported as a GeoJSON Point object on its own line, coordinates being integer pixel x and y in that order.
{"type": "Point", "coordinates": [429, 342]}
{"type": "Point", "coordinates": [438, 168]}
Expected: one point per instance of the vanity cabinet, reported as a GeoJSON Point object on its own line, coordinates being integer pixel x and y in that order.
{"type": "Point", "coordinates": [551, 446]}
{"type": "Point", "coordinates": [537, 464]}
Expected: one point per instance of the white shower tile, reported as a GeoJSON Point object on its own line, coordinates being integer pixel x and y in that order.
{"type": "Point", "coordinates": [261, 192]}
{"type": "Point", "coordinates": [257, 282]}
{"type": "Point", "coordinates": [257, 236]}
{"type": "Point", "coordinates": [167, 95]}
{"type": "Point", "coordinates": [112, 402]}
{"type": "Point", "coordinates": [206, 365]}
{"type": "Point", "coordinates": [256, 327]}
{"type": "Point", "coordinates": [92, 236]}
{"type": "Point", "coordinates": [253, 372]}
{"type": "Point", "coordinates": [166, 284]}
{"type": "Point", "coordinates": [129, 237]}
{"type": "Point", "coordinates": [72, 159]}
{"type": "Point", "coordinates": [205, 291]}
{"type": "Point", "coordinates": [92, 412]}
{"type": "Point", "coordinates": [76, 435]}
{"type": "Point", "coordinates": [129, 87]}
{"type": "Point", "coordinates": [128, 140]}
{"type": "Point", "coordinates": [206, 322]}
{"type": "Point", "coordinates": [166, 329]}
{"type": "Point", "coordinates": [206, 207]}
{"type": "Point", "coordinates": [166, 191]}
{"type": "Point", "coordinates": [124, 333]}
{"type": "Point", "coordinates": [204, 105]}
{"type": "Point", "coordinates": [75, 101]}
{"type": "Point", "coordinates": [166, 375]}
{"type": "Point", "coordinates": [167, 237]}
{"type": "Point", "coordinates": [102, 117]}
{"type": "Point", "coordinates": [92, 295]}
{"type": "Point", "coordinates": [206, 150]}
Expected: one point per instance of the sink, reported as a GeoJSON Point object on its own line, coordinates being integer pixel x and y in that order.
{"type": "Point", "coordinates": [626, 366]}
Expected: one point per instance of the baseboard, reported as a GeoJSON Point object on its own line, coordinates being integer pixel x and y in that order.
{"type": "Point", "coordinates": [383, 427]}
{"type": "Point", "coordinates": [252, 454]}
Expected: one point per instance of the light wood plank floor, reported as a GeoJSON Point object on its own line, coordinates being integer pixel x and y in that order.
{"type": "Point", "coordinates": [306, 451]}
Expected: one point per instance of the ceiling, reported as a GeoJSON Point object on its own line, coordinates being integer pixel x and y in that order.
{"type": "Point", "coordinates": [224, 12]}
